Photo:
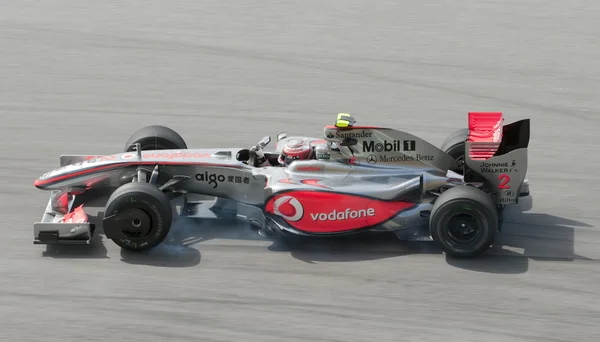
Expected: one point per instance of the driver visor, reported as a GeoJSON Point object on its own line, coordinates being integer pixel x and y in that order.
{"type": "Point", "coordinates": [287, 160]}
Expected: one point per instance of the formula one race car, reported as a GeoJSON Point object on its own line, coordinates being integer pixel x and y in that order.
{"type": "Point", "coordinates": [363, 178]}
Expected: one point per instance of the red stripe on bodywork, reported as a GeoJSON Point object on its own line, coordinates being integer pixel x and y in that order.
{"type": "Point", "coordinates": [313, 182]}
{"type": "Point", "coordinates": [328, 212]}
{"type": "Point", "coordinates": [41, 182]}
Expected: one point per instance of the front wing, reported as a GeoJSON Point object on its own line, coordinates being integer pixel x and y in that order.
{"type": "Point", "coordinates": [57, 228]}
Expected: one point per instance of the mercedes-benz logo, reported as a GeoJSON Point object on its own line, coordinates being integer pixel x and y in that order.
{"type": "Point", "coordinates": [372, 159]}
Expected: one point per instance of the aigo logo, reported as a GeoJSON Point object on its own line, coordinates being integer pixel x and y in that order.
{"type": "Point", "coordinates": [289, 208]}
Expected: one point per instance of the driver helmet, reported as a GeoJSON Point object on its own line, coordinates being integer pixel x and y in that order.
{"type": "Point", "coordinates": [295, 149]}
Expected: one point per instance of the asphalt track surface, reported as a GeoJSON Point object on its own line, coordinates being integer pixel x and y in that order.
{"type": "Point", "coordinates": [79, 77]}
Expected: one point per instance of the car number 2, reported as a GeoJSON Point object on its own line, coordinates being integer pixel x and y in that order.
{"type": "Point", "coordinates": [504, 180]}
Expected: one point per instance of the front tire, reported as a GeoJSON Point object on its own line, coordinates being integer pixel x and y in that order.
{"type": "Point", "coordinates": [138, 216]}
{"type": "Point", "coordinates": [464, 222]}
{"type": "Point", "coordinates": [156, 138]}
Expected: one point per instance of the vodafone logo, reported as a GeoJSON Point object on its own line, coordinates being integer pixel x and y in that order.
{"type": "Point", "coordinates": [314, 211]}
{"type": "Point", "coordinates": [335, 215]}
{"type": "Point", "coordinates": [289, 208]}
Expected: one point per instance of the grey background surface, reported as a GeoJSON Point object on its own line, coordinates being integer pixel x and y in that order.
{"type": "Point", "coordinates": [80, 76]}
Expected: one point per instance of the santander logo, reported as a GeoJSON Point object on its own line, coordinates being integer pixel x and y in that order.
{"type": "Point", "coordinates": [331, 212]}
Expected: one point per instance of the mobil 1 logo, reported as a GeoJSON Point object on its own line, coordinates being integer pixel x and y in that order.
{"type": "Point", "coordinates": [390, 146]}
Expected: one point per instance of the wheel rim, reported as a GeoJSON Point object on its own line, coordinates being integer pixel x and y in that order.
{"type": "Point", "coordinates": [460, 162]}
{"type": "Point", "coordinates": [463, 228]}
{"type": "Point", "coordinates": [137, 225]}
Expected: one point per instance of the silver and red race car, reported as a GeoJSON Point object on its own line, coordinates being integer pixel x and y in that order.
{"type": "Point", "coordinates": [362, 178]}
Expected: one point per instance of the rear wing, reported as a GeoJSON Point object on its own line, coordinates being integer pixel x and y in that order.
{"type": "Point", "coordinates": [497, 155]}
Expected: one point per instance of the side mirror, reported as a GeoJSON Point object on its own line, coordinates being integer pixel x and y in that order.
{"type": "Point", "coordinates": [281, 135]}
{"type": "Point", "coordinates": [264, 141]}
{"type": "Point", "coordinates": [243, 155]}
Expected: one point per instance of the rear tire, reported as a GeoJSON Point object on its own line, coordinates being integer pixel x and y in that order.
{"type": "Point", "coordinates": [464, 222]}
{"type": "Point", "coordinates": [454, 145]}
{"type": "Point", "coordinates": [156, 138]}
{"type": "Point", "coordinates": [138, 216]}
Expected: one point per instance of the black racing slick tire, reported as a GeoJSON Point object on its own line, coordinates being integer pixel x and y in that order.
{"type": "Point", "coordinates": [156, 138]}
{"type": "Point", "coordinates": [138, 216]}
{"type": "Point", "coordinates": [454, 145]}
{"type": "Point", "coordinates": [464, 222]}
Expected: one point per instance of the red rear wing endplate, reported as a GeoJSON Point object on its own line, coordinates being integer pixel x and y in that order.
{"type": "Point", "coordinates": [485, 134]}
